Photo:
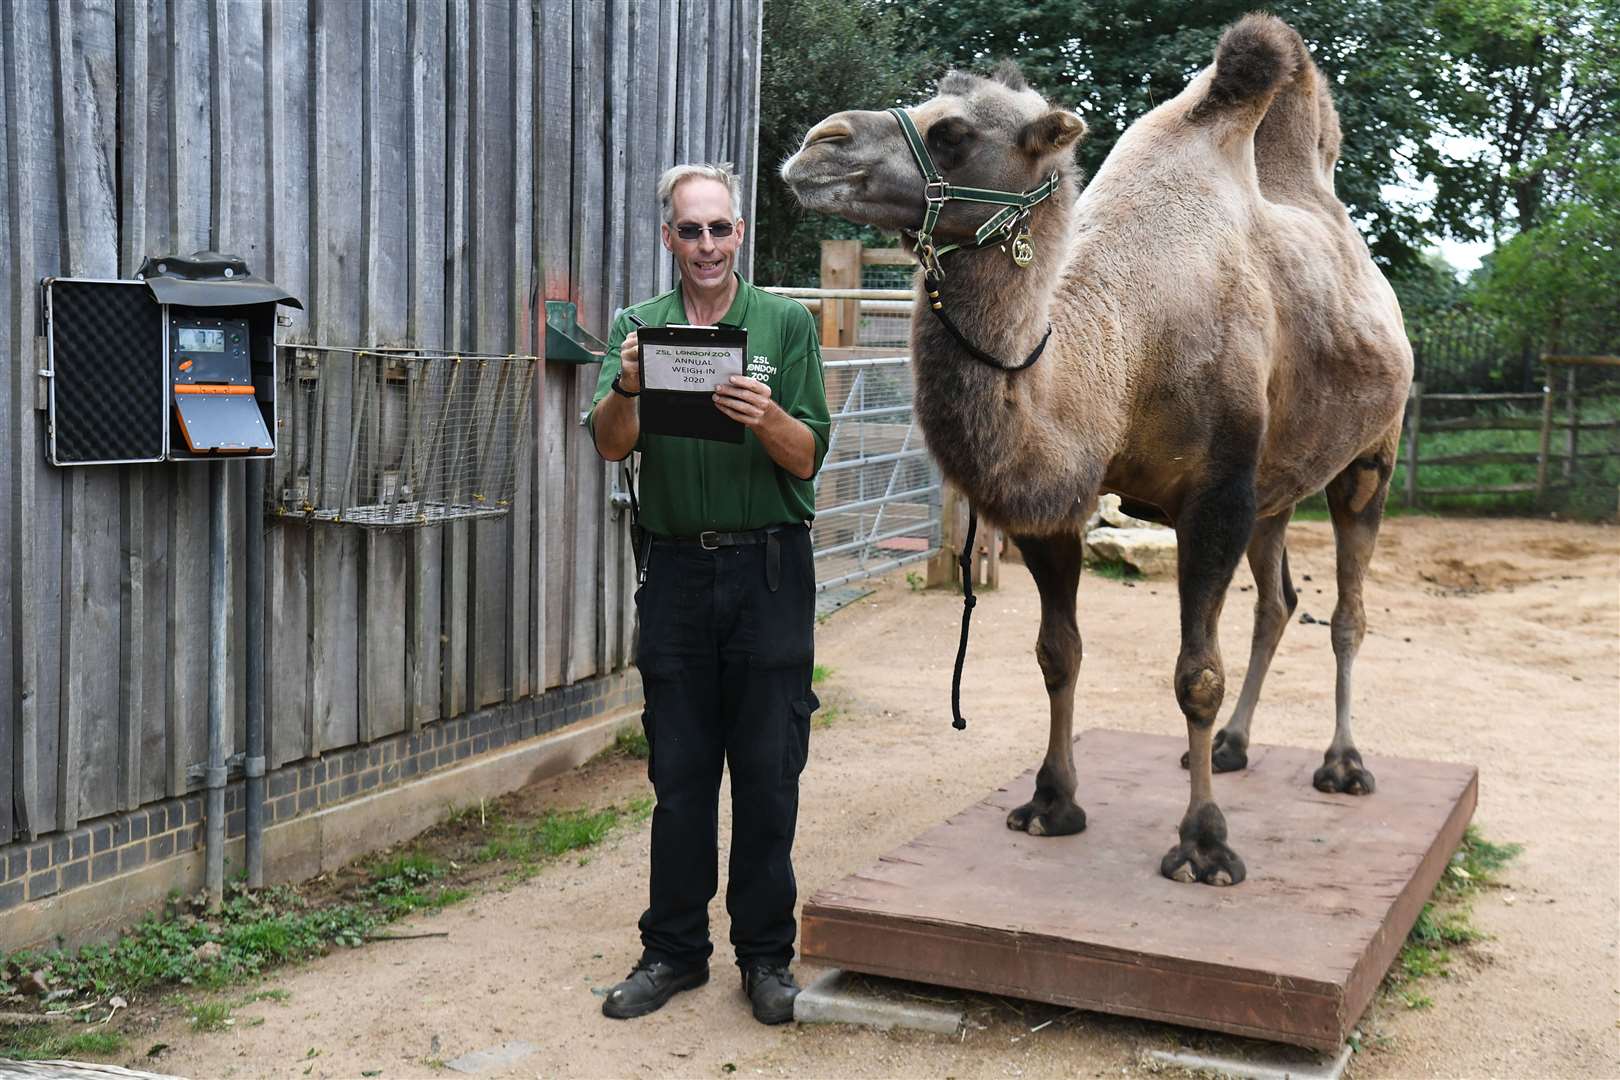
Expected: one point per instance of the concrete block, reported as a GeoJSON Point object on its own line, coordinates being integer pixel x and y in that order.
{"type": "Point", "coordinates": [496, 1057]}
{"type": "Point", "coordinates": [1277, 1062]}
{"type": "Point", "coordinates": [838, 997]}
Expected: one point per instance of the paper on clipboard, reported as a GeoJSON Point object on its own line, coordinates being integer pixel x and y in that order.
{"type": "Point", "coordinates": [680, 368]}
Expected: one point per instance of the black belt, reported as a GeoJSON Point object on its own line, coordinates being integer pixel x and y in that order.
{"type": "Point", "coordinates": [711, 540]}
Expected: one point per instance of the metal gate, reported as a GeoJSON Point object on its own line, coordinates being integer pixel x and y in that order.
{"type": "Point", "coordinates": [878, 492]}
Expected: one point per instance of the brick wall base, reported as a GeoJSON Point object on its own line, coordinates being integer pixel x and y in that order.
{"type": "Point", "coordinates": [318, 813]}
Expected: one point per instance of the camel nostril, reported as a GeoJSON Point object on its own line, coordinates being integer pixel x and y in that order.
{"type": "Point", "coordinates": [828, 131]}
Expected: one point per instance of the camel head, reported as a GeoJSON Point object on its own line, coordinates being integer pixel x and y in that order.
{"type": "Point", "coordinates": [993, 133]}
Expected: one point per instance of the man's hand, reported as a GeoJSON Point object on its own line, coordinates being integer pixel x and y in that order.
{"type": "Point", "coordinates": [747, 401]}
{"type": "Point", "coordinates": [786, 439]}
{"type": "Point", "coordinates": [630, 364]}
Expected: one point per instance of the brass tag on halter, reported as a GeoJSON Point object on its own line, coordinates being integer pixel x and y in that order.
{"type": "Point", "coordinates": [1023, 252]}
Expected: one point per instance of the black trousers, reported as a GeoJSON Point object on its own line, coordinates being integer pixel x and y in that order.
{"type": "Point", "coordinates": [725, 662]}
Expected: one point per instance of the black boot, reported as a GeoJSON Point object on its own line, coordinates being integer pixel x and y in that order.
{"type": "Point", "coordinates": [771, 990]}
{"type": "Point", "coordinates": [648, 986]}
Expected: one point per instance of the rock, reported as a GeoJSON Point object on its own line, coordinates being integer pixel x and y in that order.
{"type": "Point", "coordinates": [1150, 551]}
{"type": "Point", "coordinates": [1112, 516]}
{"type": "Point", "coordinates": [207, 952]}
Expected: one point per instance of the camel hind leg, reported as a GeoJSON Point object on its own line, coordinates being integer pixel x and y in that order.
{"type": "Point", "coordinates": [1054, 563]}
{"type": "Point", "coordinates": [1356, 502]}
{"type": "Point", "coordinates": [1274, 602]}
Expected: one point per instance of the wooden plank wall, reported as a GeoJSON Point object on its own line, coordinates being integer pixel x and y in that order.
{"type": "Point", "coordinates": [424, 173]}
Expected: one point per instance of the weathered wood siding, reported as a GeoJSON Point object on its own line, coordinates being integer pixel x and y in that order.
{"type": "Point", "coordinates": [419, 172]}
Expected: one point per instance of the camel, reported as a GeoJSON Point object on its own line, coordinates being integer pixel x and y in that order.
{"type": "Point", "coordinates": [1201, 331]}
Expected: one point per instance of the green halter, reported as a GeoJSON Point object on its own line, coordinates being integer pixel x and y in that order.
{"type": "Point", "coordinates": [1014, 210]}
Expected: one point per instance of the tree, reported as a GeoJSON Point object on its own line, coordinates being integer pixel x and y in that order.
{"type": "Point", "coordinates": [819, 57]}
{"type": "Point", "coordinates": [1532, 84]}
{"type": "Point", "coordinates": [1114, 60]}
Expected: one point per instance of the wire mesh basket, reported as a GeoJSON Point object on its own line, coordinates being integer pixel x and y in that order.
{"type": "Point", "coordinates": [399, 439]}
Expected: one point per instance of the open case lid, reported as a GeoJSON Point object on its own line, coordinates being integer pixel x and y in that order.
{"type": "Point", "coordinates": [209, 279]}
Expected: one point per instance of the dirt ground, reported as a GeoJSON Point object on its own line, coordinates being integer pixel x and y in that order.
{"type": "Point", "coordinates": [1495, 642]}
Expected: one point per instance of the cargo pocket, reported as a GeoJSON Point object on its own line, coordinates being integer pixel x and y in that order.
{"type": "Point", "coordinates": [647, 730]}
{"type": "Point", "coordinates": [797, 750]}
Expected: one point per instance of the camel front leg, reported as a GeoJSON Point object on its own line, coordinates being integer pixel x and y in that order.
{"type": "Point", "coordinates": [1212, 531]}
{"type": "Point", "coordinates": [1054, 562]}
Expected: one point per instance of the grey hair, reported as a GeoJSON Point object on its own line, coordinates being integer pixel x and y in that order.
{"type": "Point", "coordinates": [675, 177]}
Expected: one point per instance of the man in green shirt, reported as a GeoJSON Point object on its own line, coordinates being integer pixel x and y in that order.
{"type": "Point", "coordinates": [726, 608]}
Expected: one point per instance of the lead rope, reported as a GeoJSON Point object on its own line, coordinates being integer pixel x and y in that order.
{"type": "Point", "coordinates": [958, 721]}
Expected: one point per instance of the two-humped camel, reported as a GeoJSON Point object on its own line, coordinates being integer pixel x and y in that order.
{"type": "Point", "coordinates": [1221, 347]}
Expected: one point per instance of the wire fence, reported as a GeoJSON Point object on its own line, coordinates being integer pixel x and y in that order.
{"type": "Point", "coordinates": [399, 439]}
{"type": "Point", "coordinates": [878, 493]}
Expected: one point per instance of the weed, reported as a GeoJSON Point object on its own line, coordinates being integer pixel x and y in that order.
{"type": "Point", "coordinates": [1114, 570]}
{"type": "Point", "coordinates": [211, 1015]}
{"type": "Point", "coordinates": [43, 1042]}
{"type": "Point", "coordinates": [820, 674]}
{"type": "Point", "coordinates": [826, 715]}
{"type": "Point", "coordinates": [1445, 923]}
{"type": "Point", "coordinates": [915, 581]}
{"type": "Point", "coordinates": [631, 744]}
{"type": "Point", "coordinates": [557, 833]}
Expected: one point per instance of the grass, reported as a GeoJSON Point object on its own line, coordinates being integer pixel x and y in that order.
{"type": "Point", "coordinates": [820, 674]}
{"type": "Point", "coordinates": [1446, 921]}
{"type": "Point", "coordinates": [826, 715]}
{"type": "Point", "coordinates": [211, 1015]}
{"type": "Point", "coordinates": [44, 1042]}
{"type": "Point", "coordinates": [557, 833]}
{"type": "Point", "coordinates": [1114, 569]}
{"type": "Point", "coordinates": [631, 744]}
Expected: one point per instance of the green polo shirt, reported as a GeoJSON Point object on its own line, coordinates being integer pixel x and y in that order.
{"type": "Point", "coordinates": [689, 486]}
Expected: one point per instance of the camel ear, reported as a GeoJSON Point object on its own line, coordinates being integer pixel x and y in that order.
{"type": "Point", "coordinates": [1054, 131]}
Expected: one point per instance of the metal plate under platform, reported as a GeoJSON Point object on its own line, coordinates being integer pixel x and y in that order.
{"type": "Point", "coordinates": [1294, 954]}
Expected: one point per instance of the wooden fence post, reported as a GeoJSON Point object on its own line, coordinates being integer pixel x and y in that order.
{"type": "Point", "coordinates": [840, 269]}
{"type": "Point", "coordinates": [1546, 438]}
{"type": "Point", "coordinates": [942, 567]}
{"type": "Point", "coordinates": [1574, 425]}
{"type": "Point", "coordinates": [1415, 426]}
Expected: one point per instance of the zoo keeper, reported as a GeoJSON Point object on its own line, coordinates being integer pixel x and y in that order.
{"type": "Point", "coordinates": [726, 609]}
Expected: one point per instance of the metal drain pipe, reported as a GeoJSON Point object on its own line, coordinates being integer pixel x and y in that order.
{"type": "Point", "coordinates": [217, 597]}
{"type": "Point", "coordinates": [254, 765]}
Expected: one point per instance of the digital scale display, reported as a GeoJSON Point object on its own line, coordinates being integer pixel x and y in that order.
{"type": "Point", "coordinates": [196, 340]}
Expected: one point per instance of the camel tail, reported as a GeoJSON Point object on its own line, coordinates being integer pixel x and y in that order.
{"type": "Point", "coordinates": [1266, 81]}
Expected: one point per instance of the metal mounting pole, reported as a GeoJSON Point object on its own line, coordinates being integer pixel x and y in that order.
{"type": "Point", "coordinates": [217, 597]}
{"type": "Point", "coordinates": [254, 614]}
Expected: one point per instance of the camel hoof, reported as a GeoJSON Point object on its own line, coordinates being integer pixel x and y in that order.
{"type": "Point", "coordinates": [1202, 856]}
{"type": "Point", "coordinates": [1344, 774]}
{"type": "Point", "coordinates": [1230, 754]}
{"type": "Point", "coordinates": [1207, 864]}
{"type": "Point", "coordinates": [1053, 816]}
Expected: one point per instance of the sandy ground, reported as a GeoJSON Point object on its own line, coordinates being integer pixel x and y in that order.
{"type": "Point", "coordinates": [1491, 642]}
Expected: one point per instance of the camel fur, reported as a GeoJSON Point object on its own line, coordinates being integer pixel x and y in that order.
{"type": "Point", "coordinates": [1221, 347]}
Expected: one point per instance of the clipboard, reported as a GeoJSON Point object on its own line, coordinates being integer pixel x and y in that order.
{"type": "Point", "coordinates": [680, 367]}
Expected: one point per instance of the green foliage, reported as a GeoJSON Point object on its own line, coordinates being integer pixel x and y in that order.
{"type": "Point", "coordinates": [632, 744]}
{"type": "Point", "coordinates": [820, 57]}
{"type": "Point", "coordinates": [819, 674]}
{"type": "Point", "coordinates": [558, 833]}
{"type": "Point", "coordinates": [211, 1015]}
{"type": "Point", "coordinates": [1113, 569]}
{"type": "Point", "coordinates": [405, 884]}
{"type": "Point", "coordinates": [46, 1042]}
{"type": "Point", "coordinates": [1445, 923]}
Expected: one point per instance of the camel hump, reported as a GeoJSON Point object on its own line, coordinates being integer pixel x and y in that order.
{"type": "Point", "coordinates": [1265, 80]}
{"type": "Point", "coordinates": [1258, 55]}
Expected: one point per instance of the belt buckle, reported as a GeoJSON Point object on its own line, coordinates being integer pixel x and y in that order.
{"type": "Point", "coordinates": [710, 540]}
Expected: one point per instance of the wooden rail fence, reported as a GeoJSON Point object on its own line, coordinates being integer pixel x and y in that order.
{"type": "Point", "coordinates": [1560, 412]}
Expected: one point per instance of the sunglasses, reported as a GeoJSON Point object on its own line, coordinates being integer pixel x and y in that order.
{"type": "Point", "coordinates": [717, 229]}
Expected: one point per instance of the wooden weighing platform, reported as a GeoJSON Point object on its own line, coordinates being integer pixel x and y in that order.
{"type": "Point", "coordinates": [1294, 954]}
